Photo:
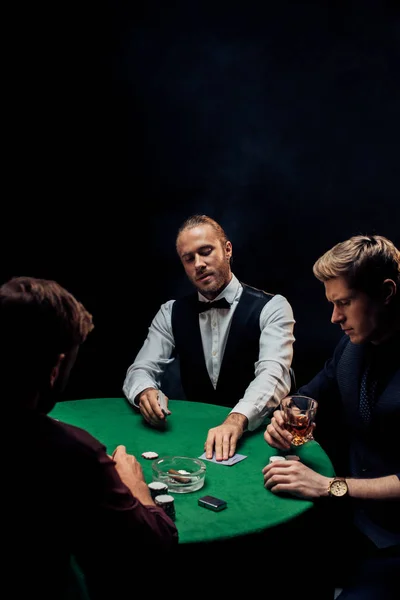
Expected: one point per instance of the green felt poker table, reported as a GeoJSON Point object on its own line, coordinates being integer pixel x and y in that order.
{"type": "Point", "coordinates": [251, 508]}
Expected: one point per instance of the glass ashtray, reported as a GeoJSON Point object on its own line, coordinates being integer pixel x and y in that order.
{"type": "Point", "coordinates": [181, 473]}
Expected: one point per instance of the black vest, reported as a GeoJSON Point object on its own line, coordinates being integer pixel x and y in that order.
{"type": "Point", "coordinates": [241, 351]}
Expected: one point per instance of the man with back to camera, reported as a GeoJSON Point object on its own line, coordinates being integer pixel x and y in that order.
{"type": "Point", "coordinates": [64, 496]}
{"type": "Point", "coordinates": [236, 353]}
{"type": "Point", "coordinates": [362, 280]}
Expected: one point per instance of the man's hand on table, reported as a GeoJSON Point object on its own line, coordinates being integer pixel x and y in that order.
{"type": "Point", "coordinates": [295, 478]}
{"type": "Point", "coordinates": [223, 439]}
{"type": "Point", "coordinates": [150, 408]}
{"type": "Point", "coordinates": [131, 473]}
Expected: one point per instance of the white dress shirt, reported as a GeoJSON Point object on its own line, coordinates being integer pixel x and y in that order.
{"type": "Point", "coordinates": [271, 380]}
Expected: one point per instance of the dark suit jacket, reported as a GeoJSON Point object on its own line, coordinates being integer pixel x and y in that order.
{"type": "Point", "coordinates": [372, 450]}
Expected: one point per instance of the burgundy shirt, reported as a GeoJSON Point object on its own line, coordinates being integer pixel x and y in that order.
{"type": "Point", "coordinates": [65, 498]}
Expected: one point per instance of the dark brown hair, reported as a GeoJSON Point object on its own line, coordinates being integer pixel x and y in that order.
{"type": "Point", "coordinates": [39, 320]}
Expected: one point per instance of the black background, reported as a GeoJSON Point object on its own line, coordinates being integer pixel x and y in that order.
{"type": "Point", "coordinates": [280, 120]}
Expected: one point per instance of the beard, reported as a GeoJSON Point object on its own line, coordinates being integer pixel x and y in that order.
{"type": "Point", "coordinates": [221, 278]}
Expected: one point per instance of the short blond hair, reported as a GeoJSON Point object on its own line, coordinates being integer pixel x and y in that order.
{"type": "Point", "coordinates": [365, 260]}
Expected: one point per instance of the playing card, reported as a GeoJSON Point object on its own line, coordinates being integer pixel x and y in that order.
{"type": "Point", "coordinates": [163, 403]}
{"type": "Point", "coordinates": [231, 461]}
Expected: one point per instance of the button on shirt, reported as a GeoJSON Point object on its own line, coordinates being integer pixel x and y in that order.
{"type": "Point", "coordinates": [271, 372]}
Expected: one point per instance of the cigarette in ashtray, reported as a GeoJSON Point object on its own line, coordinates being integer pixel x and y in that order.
{"type": "Point", "coordinates": [177, 475]}
{"type": "Point", "coordinates": [162, 402]}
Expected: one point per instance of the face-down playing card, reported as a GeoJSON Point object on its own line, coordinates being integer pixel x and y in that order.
{"type": "Point", "coordinates": [229, 462]}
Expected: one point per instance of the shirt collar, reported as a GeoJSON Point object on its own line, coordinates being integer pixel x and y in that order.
{"type": "Point", "coordinates": [229, 293]}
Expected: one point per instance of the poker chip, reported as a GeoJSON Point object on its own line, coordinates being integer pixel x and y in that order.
{"type": "Point", "coordinates": [276, 458]}
{"type": "Point", "coordinates": [292, 457]}
{"type": "Point", "coordinates": [149, 455]}
{"type": "Point", "coordinates": [167, 503]}
{"type": "Point", "coordinates": [157, 488]}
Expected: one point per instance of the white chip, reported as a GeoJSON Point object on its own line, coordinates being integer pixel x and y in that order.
{"type": "Point", "coordinates": [157, 485]}
{"type": "Point", "coordinates": [276, 458]}
{"type": "Point", "coordinates": [149, 455]}
{"type": "Point", "coordinates": [164, 498]}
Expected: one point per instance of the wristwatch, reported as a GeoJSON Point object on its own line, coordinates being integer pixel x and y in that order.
{"type": "Point", "coordinates": [338, 487]}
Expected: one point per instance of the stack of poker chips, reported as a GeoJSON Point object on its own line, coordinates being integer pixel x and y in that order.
{"type": "Point", "coordinates": [287, 457]}
{"type": "Point", "coordinates": [156, 488]}
{"type": "Point", "coordinates": [167, 503]}
{"type": "Point", "coordinates": [276, 458]}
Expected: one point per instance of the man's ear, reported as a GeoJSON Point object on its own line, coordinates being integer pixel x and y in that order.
{"type": "Point", "coordinates": [389, 289]}
{"type": "Point", "coordinates": [228, 250]}
{"type": "Point", "coordinates": [56, 369]}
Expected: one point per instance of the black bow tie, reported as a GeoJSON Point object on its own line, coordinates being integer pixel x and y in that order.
{"type": "Point", "coordinates": [222, 303]}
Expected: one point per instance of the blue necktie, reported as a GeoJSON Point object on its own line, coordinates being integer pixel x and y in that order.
{"type": "Point", "coordinates": [367, 391]}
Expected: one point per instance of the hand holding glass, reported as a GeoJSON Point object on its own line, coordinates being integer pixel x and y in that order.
{"type": "Point", "coordinates": [299, 413]}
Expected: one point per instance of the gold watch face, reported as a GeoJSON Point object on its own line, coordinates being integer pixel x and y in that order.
{"type": "Point", "coordinates": [338, 488]}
